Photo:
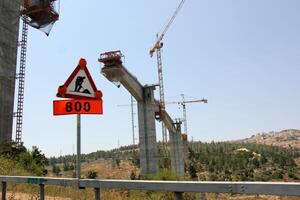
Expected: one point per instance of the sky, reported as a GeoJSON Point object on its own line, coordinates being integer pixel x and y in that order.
{"type": "Point", "coordinates": [242, 55]}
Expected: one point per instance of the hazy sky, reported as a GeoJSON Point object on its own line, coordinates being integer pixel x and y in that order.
{"type": "Point", "coordinates": [242, 55]}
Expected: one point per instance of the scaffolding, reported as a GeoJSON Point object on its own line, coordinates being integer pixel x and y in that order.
{"type": "Point", "coordinates": [21, 78]}
{"type": "Point", "coordinates": [113, 57]}
{"type": "Point", "coordinates": [41, 14]}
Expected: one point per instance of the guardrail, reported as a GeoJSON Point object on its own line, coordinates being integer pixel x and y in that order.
{"type": "Point", "coordinates": [177, 187]}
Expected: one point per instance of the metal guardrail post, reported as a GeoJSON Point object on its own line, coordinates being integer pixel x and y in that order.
{"type": "Point", "coordinates": [42, 192]}
{"type": "Point", "coordinates": [97, 193]}
{"type": "Point", "coordinates": [178, 195]}
{"type": "Point", "coordinates": [4, 185]}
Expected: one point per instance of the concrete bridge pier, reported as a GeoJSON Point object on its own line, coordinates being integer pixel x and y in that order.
{"type": "Point", "coordinates": [9, 30]}
{"type": "Point", "coordinates": [147, 132]}
{"type": "Point", "coordinates": [176, 150]}
{"type": "Point", "coordinates": [115, 72]}
{"type": "Point", "coordinates": [148, 110]}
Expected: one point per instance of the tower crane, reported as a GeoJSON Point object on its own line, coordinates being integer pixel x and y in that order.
{"type": "Point", "coordinates": [183, 104]}
{"type": "Point", "coordinates": [157, 48]}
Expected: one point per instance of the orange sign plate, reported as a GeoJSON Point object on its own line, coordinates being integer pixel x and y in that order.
{"type": "Point", "coordinates": [68, 107]}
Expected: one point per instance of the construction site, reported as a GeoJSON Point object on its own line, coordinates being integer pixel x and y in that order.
{"type": "Point", "coordinates": [159, 118]}
{"type": "Point", "coordinates": [42, 15]}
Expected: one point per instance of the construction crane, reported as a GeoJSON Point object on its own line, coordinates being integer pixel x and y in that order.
{"type": "Point", "coordinates": [157, 48]}
{"type": "Point", "coordinates": [183, 104]}
{"type": "Point", "coordinates": [38, 14]}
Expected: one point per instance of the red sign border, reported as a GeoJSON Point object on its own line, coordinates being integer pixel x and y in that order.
{"type": "Point", "coordinates": [63, 89]}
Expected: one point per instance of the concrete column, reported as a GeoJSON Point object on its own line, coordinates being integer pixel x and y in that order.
{"type": "Point", "coordinates": [176, 151]}
{"type": "Point", "coordinates": [147, 132]}
{"type": "Point", "coordinates": [185, 147]}
{"type": "Point", "coordinates": [9, 30]}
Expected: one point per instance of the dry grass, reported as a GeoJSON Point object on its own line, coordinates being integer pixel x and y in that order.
{"type": "Point", "coordinates": [23, 196]}
{"type": "Point", "coordinates": [248, 197]}
{"type": "Point", "coordinates": [106, 171]}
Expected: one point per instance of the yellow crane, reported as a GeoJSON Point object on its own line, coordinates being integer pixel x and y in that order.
{"type": "Point", "coordinates": [157, 48]}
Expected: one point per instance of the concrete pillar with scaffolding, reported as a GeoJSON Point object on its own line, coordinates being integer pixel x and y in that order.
{"type": "Point", "coordinates": [115, 72]}
{"type": "Point", "coordinates": [149, 109]}
{"type": "Point", "coordinates": [9, 30]}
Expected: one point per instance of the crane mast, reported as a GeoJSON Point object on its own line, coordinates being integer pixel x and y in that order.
{"type": "Point", "coordinates": [184, 114]}
{"type": "Point", "coordinates": [157, 48]}
{"type": "Point", "coordinates": [161, 90]}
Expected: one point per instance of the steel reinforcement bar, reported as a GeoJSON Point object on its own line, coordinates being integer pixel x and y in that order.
{"type": "Point", "coordinates": [177, 187]}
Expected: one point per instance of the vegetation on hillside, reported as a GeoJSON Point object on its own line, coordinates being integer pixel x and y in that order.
{"type": "Point", "coordinates": [220, 161]}
{"type": "Point", "coordinates": [289, 138]}
{"type": "Point", "coordinates": [25, 161]}
{"type": "Point", "coordinates": [124, 152]}
{"type": "Point", "coordinates": [206, 161]}
{"type": "Point", "coordinates": [242, 162]}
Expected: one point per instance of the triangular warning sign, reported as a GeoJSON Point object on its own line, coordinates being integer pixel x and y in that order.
{"type": "Point", "coordinates": [80, 84]}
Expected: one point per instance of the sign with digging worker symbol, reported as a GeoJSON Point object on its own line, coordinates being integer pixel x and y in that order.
{"type": "Point", "coordinates": [79, 86]}
{"type": "Point", "coordinates": [85, 99]}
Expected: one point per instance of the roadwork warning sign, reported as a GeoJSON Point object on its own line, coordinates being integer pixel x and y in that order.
{"type": "Point", "coordinates": [80, 84]}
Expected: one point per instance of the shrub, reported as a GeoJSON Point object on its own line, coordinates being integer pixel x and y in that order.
{"type": "Point", "coordinates": [33, 161]}
{"type": "Point", "coordinates": [91, 174]}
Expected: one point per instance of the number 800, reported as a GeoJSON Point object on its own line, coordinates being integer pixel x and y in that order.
{"type": "Point", "coordinates": [77, 106]}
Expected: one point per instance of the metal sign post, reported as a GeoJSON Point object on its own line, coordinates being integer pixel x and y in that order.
{"type": "Point", "coordinates": [78, 166]}
{"type": "Point", "coordinates": [86, 99]}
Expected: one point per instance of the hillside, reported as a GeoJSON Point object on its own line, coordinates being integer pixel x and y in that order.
{"type": "Point", "coordinates": [284, 138]}
{"type": "Point", "coordinates": [216, 161]}
{"type": "Point", "coordinates": [258, 158]}
{"type": "Point", "coordinates": [225, 161]}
